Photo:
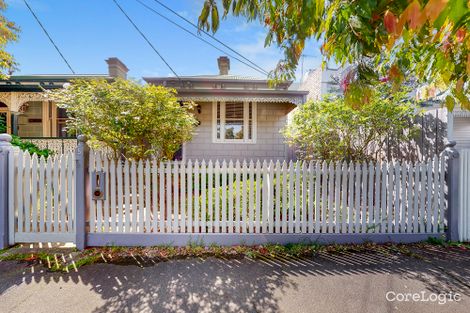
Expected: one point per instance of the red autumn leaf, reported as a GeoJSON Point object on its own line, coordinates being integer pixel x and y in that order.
{"type": "Point", "coordinates": [460, 35]}
{"type": "Point", "coordinates": [263, 250]}
{"type": "Point", "coordinates": [267, 20]}
{"type": "Point", "coordinates": [375, 17]}
{"type": "Point", "coordinates": [390, 22]}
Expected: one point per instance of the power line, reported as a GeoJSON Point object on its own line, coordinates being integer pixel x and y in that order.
{"type": "Point", "coordinates": [146, 39]}
{"type": "Point", "coordinates": [48, 36]}
{"type": "Point", "coordinates": [208, 34]}
{"type": "Point", "coordinates": [198, 37]}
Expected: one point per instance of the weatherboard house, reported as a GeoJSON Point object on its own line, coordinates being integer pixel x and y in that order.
{"type": "Point", "coordinates": [240, 118]}
{"type": "Point", "coordinates": [29, 114]}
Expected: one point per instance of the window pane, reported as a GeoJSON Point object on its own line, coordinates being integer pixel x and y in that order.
{"type": "Point", "coordinates": [234, 129]}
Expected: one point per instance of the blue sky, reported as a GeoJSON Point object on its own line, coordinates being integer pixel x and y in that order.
{"type": "Point", "coordinates": [90, 31]}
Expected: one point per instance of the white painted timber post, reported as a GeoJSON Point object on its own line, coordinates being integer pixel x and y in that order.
{"type": "Point", "coordinates": [5, 148]}
{"type": "Point", "coordinates": [81, 195]}
{"type": "Point", "coordinates": [453, 172]}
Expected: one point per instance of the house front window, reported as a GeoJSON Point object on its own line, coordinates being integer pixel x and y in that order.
{"type": "Point", "coordinates": [234, 121]}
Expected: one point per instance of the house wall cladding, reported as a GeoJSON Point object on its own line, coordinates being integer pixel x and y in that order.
{"type": "Point", "coordinates": [269, 145]}
{"type": "Point", "coordinates": [462, 132]}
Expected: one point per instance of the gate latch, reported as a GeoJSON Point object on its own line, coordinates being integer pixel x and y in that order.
{"type": "Point", "coordinates": [98, 185]}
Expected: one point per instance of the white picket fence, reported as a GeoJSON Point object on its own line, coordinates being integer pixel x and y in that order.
{"type": "Point", "coordinates": [205, 197]}
{"type": "Point", "coordinates": [41, 198]}
{"type": "Point", "coordinates": [464, 194]}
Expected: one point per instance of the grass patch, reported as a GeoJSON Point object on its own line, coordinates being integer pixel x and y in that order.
{"type": "Point", "coordinates": [87, 260]}
{"type": "Point", "coordinates": [15, 257]}
{"type": "Point", "coordinates": [441, 242]}
{"type": "Point", "coordinates": [149, 256]}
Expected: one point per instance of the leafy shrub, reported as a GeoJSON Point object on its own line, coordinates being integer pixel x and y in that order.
{"type": "Point", "coordinates": [332, 130]}
{"type": "Point", "coordinates": [135, 121]}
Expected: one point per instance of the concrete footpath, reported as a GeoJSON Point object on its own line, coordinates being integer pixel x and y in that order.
{"type": "Point", "coordinates": [327, 282]}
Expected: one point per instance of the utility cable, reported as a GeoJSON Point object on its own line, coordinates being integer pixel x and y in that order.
{"type": "Point", "coordinates": [208, 34]}
{"type": "Point", "coordinates": [147, 40]}
{"type": "Point", "coordinates": [198, 37]}
{"type": "Point", "coordinates": [48, 36]}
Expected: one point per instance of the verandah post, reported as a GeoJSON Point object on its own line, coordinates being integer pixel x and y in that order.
{"type": "Point", "coordinates": [81, 194]}
{"type": "Point", "coordinates": [452, 179]}
{"type": "Point", "coordinates": [5, 148]}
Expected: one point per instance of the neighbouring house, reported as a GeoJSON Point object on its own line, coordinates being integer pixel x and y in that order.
{"type": "Point", "coordinates": [459, 129]}
{"type": "Point", "coordinates": [28, 114]}
{"type": "Point", "coordinates": [319, 82]}
{"type": "Point", "coordinates": [457, 122]}
{"type": "Point", "coordinates": [240, 117]}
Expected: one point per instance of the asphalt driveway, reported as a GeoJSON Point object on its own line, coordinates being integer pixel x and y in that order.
{"type": "Point", "coordinates": [342, 282]}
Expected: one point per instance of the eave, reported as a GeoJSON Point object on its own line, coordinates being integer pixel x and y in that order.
{"type": "Point", "coordinates": [289, 96]}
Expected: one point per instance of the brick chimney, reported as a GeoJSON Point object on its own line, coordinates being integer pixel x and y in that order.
{"type": "Point", "coordinates": [116, 68]}
{"type": "Point", "coordinates": [224, 65]}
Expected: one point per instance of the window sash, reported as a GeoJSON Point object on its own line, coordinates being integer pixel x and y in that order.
{"type": "Point", "coordinates": [219, 123]}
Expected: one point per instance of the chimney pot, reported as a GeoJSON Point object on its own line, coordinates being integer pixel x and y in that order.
{"type": "Point", "coordinates": [224, 65]}
{"type": "Point", "coordinates": [116, 68]}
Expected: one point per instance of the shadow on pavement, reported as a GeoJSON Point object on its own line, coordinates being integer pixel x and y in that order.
{"type": "Point", "coordinates": [240, 285]}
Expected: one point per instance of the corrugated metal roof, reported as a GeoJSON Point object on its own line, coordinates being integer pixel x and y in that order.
{"type": "Point", "coordinates": [39, 77]}
{"type": "Point", "coordinates": [209, 77]}
{"type": "Point", "coordinates": [225, 77]}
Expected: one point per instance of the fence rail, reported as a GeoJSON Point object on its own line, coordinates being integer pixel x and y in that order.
{"type": "Point", "coordinates": [259, 198]}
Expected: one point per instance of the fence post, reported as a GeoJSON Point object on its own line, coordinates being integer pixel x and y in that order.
{"type": "Point", "coordinates": [81, 194]}
{"type": "Point", "coordinates": [452, 179]}
{"type": "Point", "coordinates": [5, 148]}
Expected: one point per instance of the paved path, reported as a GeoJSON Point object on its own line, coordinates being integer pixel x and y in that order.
{"type": "Point", "coordinates": [325, 283]}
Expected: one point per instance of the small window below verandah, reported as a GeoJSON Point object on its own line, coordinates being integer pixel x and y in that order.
{"type": "Point", "coordinates": [234, 122]}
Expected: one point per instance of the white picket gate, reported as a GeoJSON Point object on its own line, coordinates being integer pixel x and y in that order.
{"type": "Point", "coordinates": [41, 198]}
{"type": "Point", "coordinates": [267, 198]}
{"type": "Point", "coordinates": [464, 194]}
